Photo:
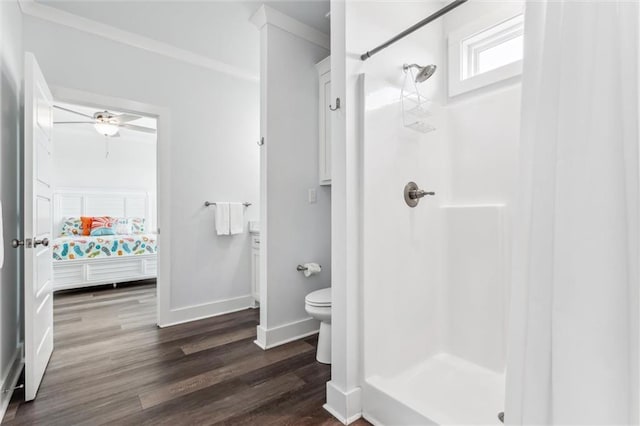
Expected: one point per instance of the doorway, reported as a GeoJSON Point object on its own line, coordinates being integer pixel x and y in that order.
{"type": "Point", "coordinates": [45, 203]}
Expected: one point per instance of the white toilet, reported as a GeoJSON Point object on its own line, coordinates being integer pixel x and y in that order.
{"type": "Point", "coordinates": [318, 305]}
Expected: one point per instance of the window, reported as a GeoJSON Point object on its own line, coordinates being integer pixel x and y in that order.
{"type": "Point", "coordinates": [485, 52]}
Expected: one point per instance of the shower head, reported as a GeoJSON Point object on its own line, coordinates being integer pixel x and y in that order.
{"type": "Point", "coordinates": [423, 72]}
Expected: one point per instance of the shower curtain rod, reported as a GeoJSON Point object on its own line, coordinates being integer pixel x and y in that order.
{"type": "Point", "coordinates": [411, 29]}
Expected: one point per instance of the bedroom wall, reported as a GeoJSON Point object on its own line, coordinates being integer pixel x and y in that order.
{"type": "Point", "coordinates": [11, 60]}
{"type": "Point", "coordinates": [214, 128]}
{"type": "Point", "coordinates": [79, 161]}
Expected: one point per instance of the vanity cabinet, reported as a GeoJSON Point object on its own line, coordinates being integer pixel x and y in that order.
{"type": "Point", "coordinates": [255, 268]}
{"type": "Point", "coordinates": [324, 140]}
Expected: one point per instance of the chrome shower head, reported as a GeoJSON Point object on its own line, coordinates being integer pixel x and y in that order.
{"type": "Point", "coordinates": [424, 73]}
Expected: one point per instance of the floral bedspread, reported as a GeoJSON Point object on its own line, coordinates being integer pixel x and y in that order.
{"type": "Point", "coordinates": [73, 248]}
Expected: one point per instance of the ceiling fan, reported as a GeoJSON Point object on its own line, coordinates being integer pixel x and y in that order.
{"type": "Point", "coordinates": [107, 123]}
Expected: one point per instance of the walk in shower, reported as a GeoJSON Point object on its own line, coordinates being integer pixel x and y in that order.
{"type": "Point", "coordinates": [435, 277]}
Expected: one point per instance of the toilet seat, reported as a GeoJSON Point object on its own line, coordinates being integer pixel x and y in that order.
{"type": "Point", "coordinates": [319, 298]}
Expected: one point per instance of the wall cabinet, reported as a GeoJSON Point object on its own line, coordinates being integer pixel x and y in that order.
{"type": "Point", "coordinates": [324, 140]}
{"type": "Point", "coordinates": [255, 268]}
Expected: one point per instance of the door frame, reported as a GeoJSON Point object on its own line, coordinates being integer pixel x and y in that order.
{"type": "Point", "coordinates": [163, 179]}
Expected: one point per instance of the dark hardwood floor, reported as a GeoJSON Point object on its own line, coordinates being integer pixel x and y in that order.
{"type": "Point", "coordinates": [112, 365]}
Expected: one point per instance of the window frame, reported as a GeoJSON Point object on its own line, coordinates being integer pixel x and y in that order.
{"type": "Point", "coordinates": [463, 51]}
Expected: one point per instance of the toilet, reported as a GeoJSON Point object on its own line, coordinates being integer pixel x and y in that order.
{"type": "Point", "coordinates": [318, 305]}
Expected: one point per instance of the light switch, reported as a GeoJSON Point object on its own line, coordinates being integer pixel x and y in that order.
{"type": "Point", "coordinates": [313, 196]}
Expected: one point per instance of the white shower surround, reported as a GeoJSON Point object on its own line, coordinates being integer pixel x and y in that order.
{"type": "Point", "coordinates": [434, 283]}
{"type": "Point", "coordinates": [418, 290]}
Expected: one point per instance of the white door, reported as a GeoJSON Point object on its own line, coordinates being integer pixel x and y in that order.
{"type": "Point", "coordinates": [38, 267]}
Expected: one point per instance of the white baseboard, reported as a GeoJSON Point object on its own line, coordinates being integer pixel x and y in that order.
{"type": "Point", "coordinates": [207, 310]}
{"type": "Point", "coordinates": [10, 380]}
{"type": "Point", "coordinates": [344, 406]}
{"type": "Point", "coordinates": [268, 338]}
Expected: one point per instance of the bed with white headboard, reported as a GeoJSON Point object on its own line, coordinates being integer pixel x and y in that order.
{"type": "Point", "coordinates": [107, 266]}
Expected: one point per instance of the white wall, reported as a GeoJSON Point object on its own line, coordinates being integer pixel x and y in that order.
{"type": "Point", "coordinates": [483, 130]}
{"type": "Point", "coordinates": [196, 26]}
{"type": "Point", "coordinates": [402, 260]}
{"type": "Point", "coordinates": [79, 161]}
{"type": "Point", "coordinates": [294, 231]}
{"type": "Point", "coordinates": [213, 156]}
{"type": "Point", "coordinates": [11, 60]}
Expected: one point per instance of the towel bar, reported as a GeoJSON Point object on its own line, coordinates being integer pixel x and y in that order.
{"type": "Point", "coordinates": [209, 203]}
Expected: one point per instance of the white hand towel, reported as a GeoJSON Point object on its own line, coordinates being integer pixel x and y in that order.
{"type": "Point", "coordinates": [312, 269]}
{"type": "Point", "coordinates": [222, 218]}
{"type": "Point", "coordinates": [236, 218]}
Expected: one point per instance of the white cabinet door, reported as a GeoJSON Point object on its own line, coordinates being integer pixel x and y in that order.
{"type": "Point", "coordinates": [255, 268]}
{"type": "Point", "coordinates": [324, 166]}
{"type": "Point", "coordinates": [38, 263]}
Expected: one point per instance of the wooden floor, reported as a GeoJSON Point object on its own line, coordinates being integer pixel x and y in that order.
{"type": "Point", "coordinates": [112, 365]}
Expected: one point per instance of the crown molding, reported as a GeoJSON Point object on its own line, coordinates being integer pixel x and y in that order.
{"type": "Point", "coordinates": [267, 15]}
{"type": "Point", "coordinates": [61, 17]}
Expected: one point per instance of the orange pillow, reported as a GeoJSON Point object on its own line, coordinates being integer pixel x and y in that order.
{"type": "Point", "coordinates": [86, 225]}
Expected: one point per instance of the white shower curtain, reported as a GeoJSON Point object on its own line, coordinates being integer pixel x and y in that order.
{"type": "Point", "coordinates": [573, 346]}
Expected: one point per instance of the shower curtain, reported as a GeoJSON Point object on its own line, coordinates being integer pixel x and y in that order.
{"type": "Point", "coordinates": [573, 340]}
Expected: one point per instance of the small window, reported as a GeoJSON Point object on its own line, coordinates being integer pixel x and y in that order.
{"type": "Point", "coordinates": [487, 51]}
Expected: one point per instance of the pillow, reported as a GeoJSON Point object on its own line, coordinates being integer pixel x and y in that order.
{"type": "Point", "coordinates": [102, 225]}
{"type": "Point", "coordinates": [122, 226]}
{"type": "Point", "coordinates": [71, 226]}
{"type": "Point", "coordinates": [86, 225]}
{"type": "Point", "coordinates": [98, 232]}
{"type": "Point", "coordinates": [137, 225]}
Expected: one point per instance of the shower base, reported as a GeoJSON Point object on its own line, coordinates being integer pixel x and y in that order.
{"type": "Point", "coordinates": [442, 390]}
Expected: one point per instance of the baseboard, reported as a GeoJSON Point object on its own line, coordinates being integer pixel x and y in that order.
{"type": "Point", "coordinates": [207, 310]}
{"type": "Point", "coordinates": [344, 406]}
{"type": "Point", "coordinates": [10, 380]}
{"type": "Point", "coordinates": [268, 338]}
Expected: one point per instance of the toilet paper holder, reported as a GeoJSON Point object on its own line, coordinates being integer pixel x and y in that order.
{"type": "Point", "coordinates": [301, 268]}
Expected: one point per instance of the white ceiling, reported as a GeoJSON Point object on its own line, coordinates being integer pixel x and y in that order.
{"type": "Point", "coordinates": [219, 30]}
{"type": "Point", "coordinates": [88, 131]}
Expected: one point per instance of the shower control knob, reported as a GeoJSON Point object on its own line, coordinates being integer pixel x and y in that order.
{"type": "Point", "coordinates": [412, 194]}
{"type": "Point", "coordinates": [420, 193]}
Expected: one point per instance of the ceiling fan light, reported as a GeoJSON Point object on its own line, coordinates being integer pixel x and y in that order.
{"type": "Point", "coordinates": [106, 129]}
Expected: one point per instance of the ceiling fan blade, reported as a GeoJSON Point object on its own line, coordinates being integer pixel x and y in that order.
{"type": "Point", "coordinates": [74, 122]}
{"type": "Point", "coordinates": [72, 111]}
{"type": "Point", "coordinates": [138, 128]}
{"type": "Point", "coordinates": [124, 118]}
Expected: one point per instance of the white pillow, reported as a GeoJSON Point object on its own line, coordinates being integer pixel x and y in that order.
{"type": "Point", "coordinates": [122, 226]}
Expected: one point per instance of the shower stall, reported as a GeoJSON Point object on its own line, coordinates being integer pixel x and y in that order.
{"type": "Point", "coordinates": [434, 267]}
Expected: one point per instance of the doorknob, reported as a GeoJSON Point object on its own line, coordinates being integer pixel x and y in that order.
{"type": "Point", "coordinates": [44, 242]}
{"type": "Point", "coordinates": [17, 243]}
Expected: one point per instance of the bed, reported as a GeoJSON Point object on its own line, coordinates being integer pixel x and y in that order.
{"type": "Point", "coordinates": [84, 261]}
